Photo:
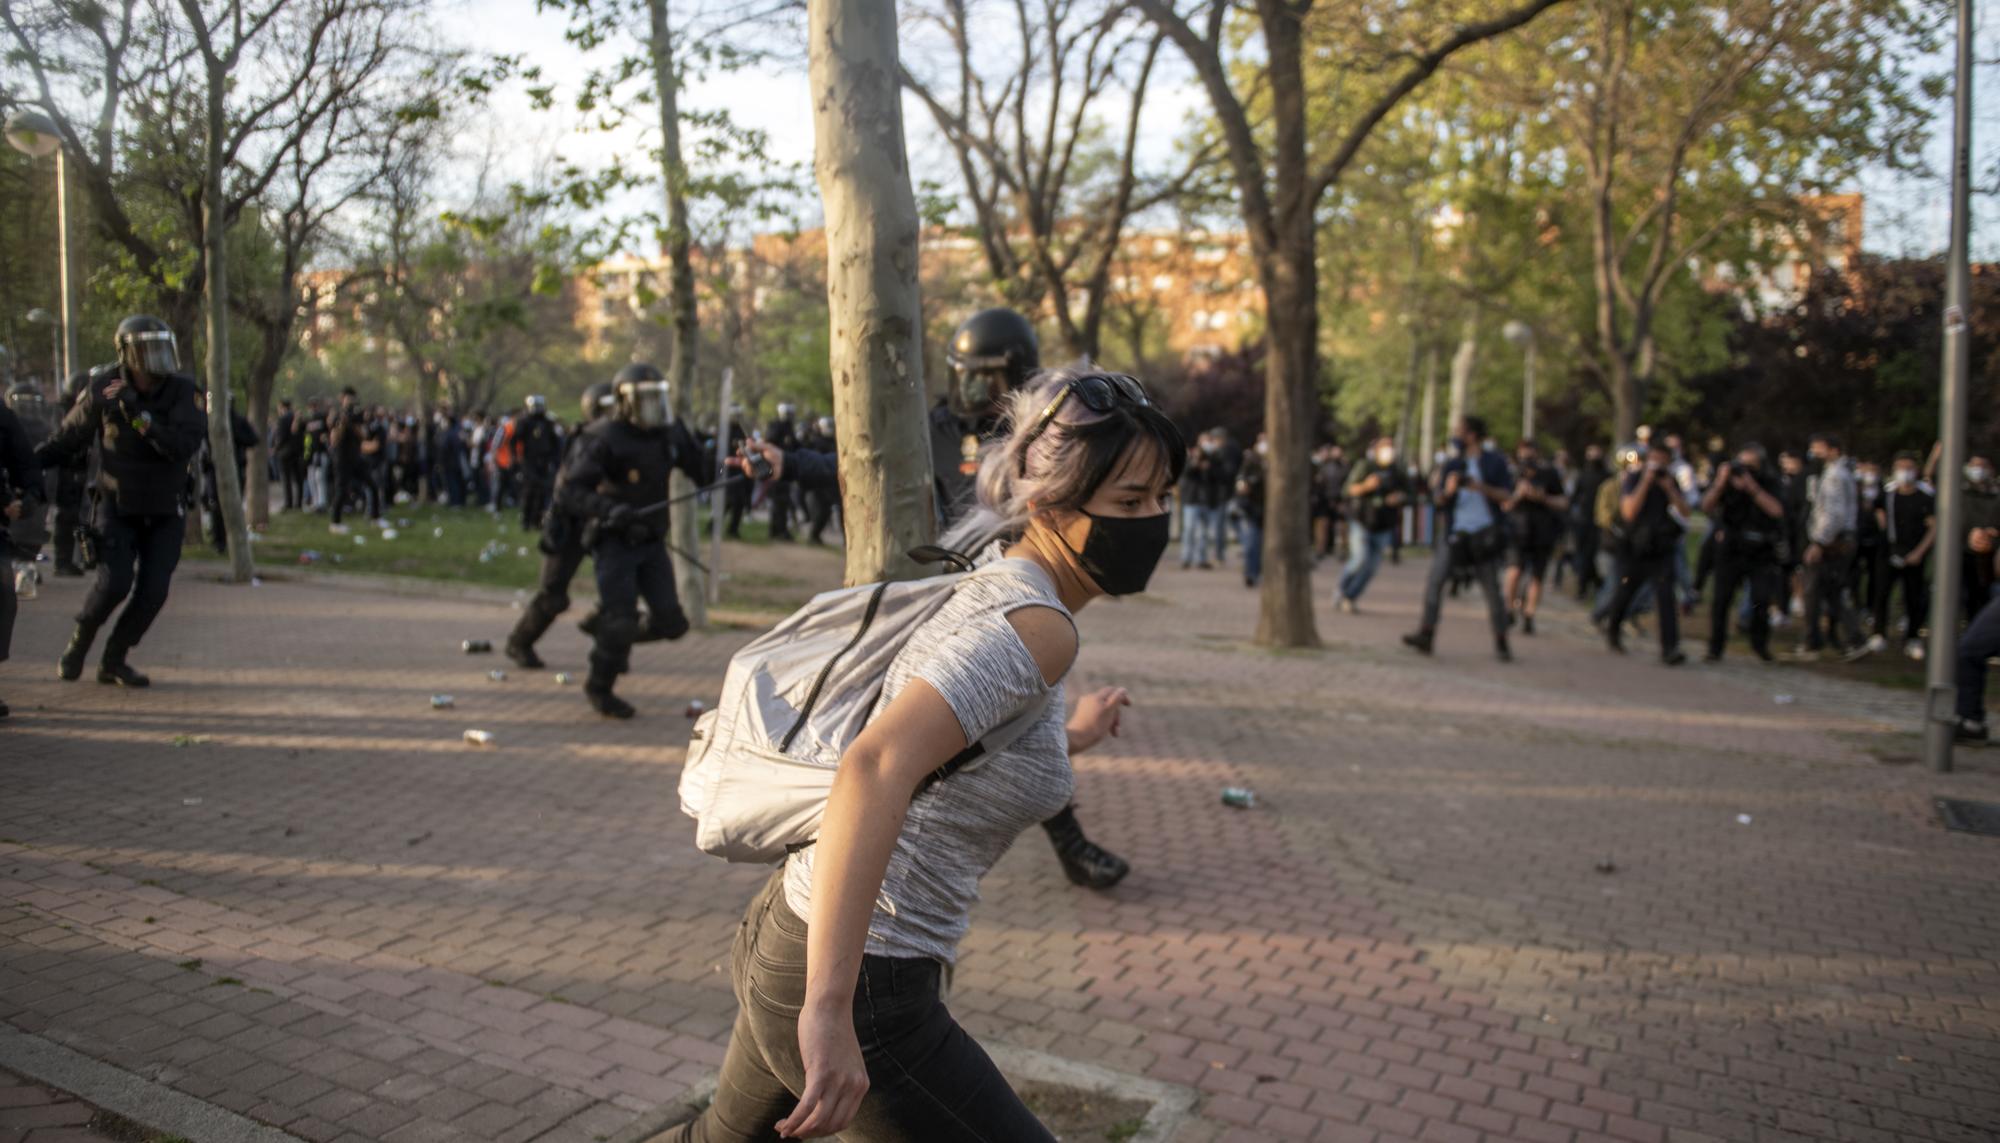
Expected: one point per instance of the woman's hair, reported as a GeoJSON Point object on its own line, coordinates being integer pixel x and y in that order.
{"type": "Point", "coordinates": [1064, 465]}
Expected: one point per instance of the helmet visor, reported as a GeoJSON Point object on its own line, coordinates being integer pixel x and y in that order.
{"type": "Point", "coordinates": [153, 350]}
{"type": "Point", "coordinates": [647, 402]}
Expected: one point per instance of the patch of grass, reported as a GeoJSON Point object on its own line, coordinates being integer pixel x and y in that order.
{"type": "Point", "coordinates": [116, 1127]}
{"type": "Point", "coordinates": [190, 965]}
{"type": "Point", "coordinates": [225, 982]}
{"type": "Point", "coordinates": [1122, 1132]}
{"type": "Point", "coordinates": [441, 543]}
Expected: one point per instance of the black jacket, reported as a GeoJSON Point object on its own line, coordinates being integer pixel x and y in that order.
{"type": "Point", "coordinates": [617, 463]}
{"type": "Point", "coordinates": [20, 475]}
{"type": "Point", "coordinates": [144, 441]}
{"type": "Point", "coordinates": [287, 435]}
{"type": "Point", "coordinates": [540, 444]}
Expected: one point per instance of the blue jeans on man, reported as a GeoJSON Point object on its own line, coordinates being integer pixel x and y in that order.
{"type": "Point", "coordinates": [1201, 526]}
{"type": "Point", "coordinates": [1364, 557]}
{"type": "Point", "coordinates": [1253, 551]}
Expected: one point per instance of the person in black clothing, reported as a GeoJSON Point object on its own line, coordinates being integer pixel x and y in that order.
{"type": "Point", "coordinates": [1251, 480]}
{"type": "Point", "coordinates": [737, 495]}
{"type": "Point", "coordinates": [539, 454]}
{"type": "Point", "coordinates": [617, 478]}
{"type": "Point", "coordinates": [347, 430]}
{"type": "Point", "coordinates": [71, 478]}
{"type": "Point", "coordinates": [1908, 518]}
{"type": "Point", "coordinates": [242, 436]}
{"type": "Point", "coordinates": [562, 547]}
{"type": "Point", "coordinates": [20, 499]}
{"type": "Point", "coordinates": [30, 531]}
{"type": "Point", "coordinates": [288, 450]}
{"type": "Point", "coordinates": [1535, 515]}
{"type": "Point", "coordinates": [142, 416]}
{"type": "Point", "coordinates": [820, 502]}
{"type": "Point", "coordinates": [1646, 502]}
{"type": "Point", "coordinates": [1792, 488]}
{"type": "Point", "coordinates": [1584, 536]}
{"type": "Point", "coordinates": [1749, 521]}
{"type": "Point", "coordinates": [782, 433]}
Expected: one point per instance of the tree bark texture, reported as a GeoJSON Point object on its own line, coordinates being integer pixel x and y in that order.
{"type": "Point", "coordinates": [1463, 362]}
{"type": "Point", "coordinates": [688, 578]}
{"type": "Point", "coordinates": [872, 290]}
{"type": "Point", "coordinates": [214, 244]}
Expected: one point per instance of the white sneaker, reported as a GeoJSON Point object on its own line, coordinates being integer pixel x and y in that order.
{"type": "Point", "coordinates": [1877, 644]}
{"type": "Point", "coordinates": [1913, 650]}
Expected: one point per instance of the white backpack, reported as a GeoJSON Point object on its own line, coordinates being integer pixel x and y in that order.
{"type": "Point", "coordinates": [760, 765]}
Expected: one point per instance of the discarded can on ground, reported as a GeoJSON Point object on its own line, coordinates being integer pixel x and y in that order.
{"type": "Point", "coordinates": [27, 582]}
{"type": "Point", "coordinates": [441, 702]}
{"type": "Point", "coordinates": [389, 533]}
{"type": "Point", "coordinates": [564, 678]}
{"type": "Point", "coordinates": [479, 738]}
{"type": "Point", "coordinates": [1237, 797]}
{"type": "Point", "coordinates": [695, 708]}
{"type": "Point", "coordinates": [477, 646]}
{"type": "Point", "coordinates": [497, 675]}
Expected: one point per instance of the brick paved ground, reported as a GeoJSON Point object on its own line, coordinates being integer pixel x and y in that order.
{"type": "Point", "coordinates": [279, 881]}
{"type": "Point", "coordinates": [31, 1113]}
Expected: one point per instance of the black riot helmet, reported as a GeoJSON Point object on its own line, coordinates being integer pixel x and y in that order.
{"type": "Point", "coordinates": [25, 399]}
{"type": "Point", "coordinates": [991, 353]}
{"type": "Point", "coordinates": [642, 396]}
{"type": "Point", "coordinates": [597, 400]}
{"type": "Point", "coordinates": [147, 344]}
{"type": "Point", "coordinates": [536, 404]}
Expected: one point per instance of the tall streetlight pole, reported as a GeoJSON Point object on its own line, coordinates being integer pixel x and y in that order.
{"type": "Point", "coordinates": [1941, 671]}
{"type": "Point", "coordinates": [34, 133]}
{"type": "Point", "coordinates": [1522, 337]}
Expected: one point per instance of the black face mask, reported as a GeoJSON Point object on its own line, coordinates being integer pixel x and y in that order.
{"type": "Point", "coordinates": [1121, 551]}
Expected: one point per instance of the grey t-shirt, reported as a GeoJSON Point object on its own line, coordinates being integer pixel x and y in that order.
{"type": "Point", "coordinates": [960, 827]}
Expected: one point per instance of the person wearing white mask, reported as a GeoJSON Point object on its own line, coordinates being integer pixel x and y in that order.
{"type": "Point", "coordinates": [1982, 533]}
{"type": "Point", "coordinates": [1908, 518]}
{"type": "Point", "coordinates": [1377, 490]}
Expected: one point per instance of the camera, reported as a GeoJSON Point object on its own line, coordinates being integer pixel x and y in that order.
{"type": "Point", "coordinates": [755, 462]}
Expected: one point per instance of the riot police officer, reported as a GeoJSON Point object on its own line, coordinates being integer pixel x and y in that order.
{"type": "Point", "coordinates": [70, 479]}
{"type": "Point", "coordinates": [142, 416]}
{"type": "Point", "coordinates": [617, 478]}
{"type": "Point", "coordinates": [784, 433]}
{"type": "Point", "coordinates": [561, 544]}
{"type": "Point", "coordinates": [991, 354]}
{"type": "Point", "coordinates": [541, 453]}
{"type": "Point", "coordinates": [30, 529]}
{"type": "Point", "coordinates": [20, 502]}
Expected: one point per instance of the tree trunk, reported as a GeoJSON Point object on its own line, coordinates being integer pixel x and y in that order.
{"type": "Point", "coordinates": [214, 242]}
{"type": "Point", "coordinates": [1427, 445]}
{"type": "Point", "coordinates": [1623, 381]}
{"type": "Point", "coordinates": [686, 538]}
{"type": "Point", "coordinates": [875, 313]}
{"type": "Point", "coordinates": [1462, 363]}
{"type": "Point", "coordinates": [263, 377]}
{"type": "Point", "coordinates": [1291, 392]}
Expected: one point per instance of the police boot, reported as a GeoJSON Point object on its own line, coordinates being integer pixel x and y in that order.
{"type": "Point", "coordinates": [597, 692]}
{"type": "Point", "coordinates": [1086, 863]}
{"type": "Point", "coordinates": [113, 669]}
{"type": "Point", "coordinates": [657, 628]}
{"type": "Point", "coordinates": [588, 624]}
{"type": "Point", "coordinates": [523, 655]}
{"type": "Point", "coordinates": [69, 668]}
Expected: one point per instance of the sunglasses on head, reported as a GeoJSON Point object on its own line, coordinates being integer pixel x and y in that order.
{"type": "Point", "coordinates": [1099, 392]}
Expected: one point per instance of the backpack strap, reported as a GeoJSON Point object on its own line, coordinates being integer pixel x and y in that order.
{"type": "Point", "coordinates": [996, 740]}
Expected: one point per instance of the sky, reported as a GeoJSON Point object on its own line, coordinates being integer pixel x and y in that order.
{"type": "Point", "coordinates": [1904, 215]}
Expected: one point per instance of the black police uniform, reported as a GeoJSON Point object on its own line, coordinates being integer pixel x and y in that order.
{"type": "Point", "coordinates": [562, 554]}
{"type": "Point", "coordinates": [784, 434]}
{"type": "Point", "coordinates": [72, 478]}
{"type": "Point", "coordinates": [20, 480]}
{"type": "Point", "coordinates": [736, 497]}
{"type": "Point", "coordinates": [541, 453]}
{"type": "Point", "coordinates": [145, 443]}
{"type": "Point", "coordinates": [288, 448]}
{"type": "Point", "coordinates": [617, 470]}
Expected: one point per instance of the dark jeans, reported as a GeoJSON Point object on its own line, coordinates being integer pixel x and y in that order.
{"type": "Point", "coordinates": [1583, 544]}
{"type": "Point", "coordinates": [1759, 575]}
{"type": "Point", "coordinates": [346, 479]}
{"type": "Point", "coordinates": [136, 558]}
{"type": "Point", "coordinates": [1636, 574]}
{"type": "Point", "coordinates": [1916, 596]}
{"type": "Point", "coordinates": [552, 594]}
{"type": "Point", "coordinates": [1826, 594]}
{"type": "Point", "coordinates": [1980, 642]}
{"type": "Point", "coordinates": [69, 514]}
{"type": "Point", "coordinates": [928, 1081]}
{"type": "Point", "coordinates": [292, 471]}
{"type": "Point", "coordinates": [626, 573]}
{"type": "Point", "coordinates": [781, 511]}
{"type": "Point", "coordinates": [1487, 572]}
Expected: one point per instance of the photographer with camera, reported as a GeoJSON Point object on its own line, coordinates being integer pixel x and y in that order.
{"type": "Point", "coordinates": [1474, 485]}
{"type": "Point", "coordinates": [1647, 501]}
{"type": "Point", "coordinates": [1536, 513]}
{"type": "Point", "coordinates": [1750, 519]}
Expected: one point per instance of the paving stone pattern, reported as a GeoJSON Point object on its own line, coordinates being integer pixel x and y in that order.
{"type": "Point", "coordinates": [31, 1113]}
{"type": "Point", "coordinates": [280, 881]}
